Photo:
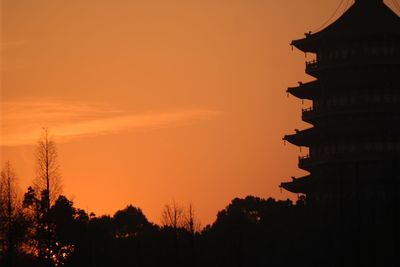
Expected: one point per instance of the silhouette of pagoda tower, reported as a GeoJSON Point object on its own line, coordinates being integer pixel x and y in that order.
{"type": "Point", "coordinates": [354, 142]}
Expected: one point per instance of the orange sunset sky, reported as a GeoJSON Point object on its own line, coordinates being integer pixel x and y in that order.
{"type": "Point", "coordinates": [155, 100]}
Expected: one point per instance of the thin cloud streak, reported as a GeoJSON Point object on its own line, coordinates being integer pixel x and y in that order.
{"type": "Point", "coordinates": [21, 122]}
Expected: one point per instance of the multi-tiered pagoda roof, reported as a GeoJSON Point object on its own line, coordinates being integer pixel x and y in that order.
{"type": "Point", "coordinates": [355, 96]}
{"type": "Point", "coordinates": [365, 20]}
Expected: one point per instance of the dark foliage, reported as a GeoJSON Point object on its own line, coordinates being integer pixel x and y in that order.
{"type": "Point", "coordinates": [248, 232]}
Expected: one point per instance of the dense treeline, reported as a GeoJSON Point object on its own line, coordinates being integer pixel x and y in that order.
{"type": "Point", "coordinates": [42, 228]}
{"type": "Point", "coordinates": [248, 232]}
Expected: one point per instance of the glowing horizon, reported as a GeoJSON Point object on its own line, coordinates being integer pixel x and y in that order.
{"type": "Point", "coordinates": [156, 100]}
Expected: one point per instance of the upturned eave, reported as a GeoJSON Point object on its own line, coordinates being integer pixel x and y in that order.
{"type": "Point", "coordinates": [304, 90]}
{"type": "Point", "coordinates": [301, 185]}
{"type": "Point", "coordinates": [360, 21]}
{"type": "Point", "coordinates": [300, 138]}
{"type": "Point", "coordinates": [305, 44]}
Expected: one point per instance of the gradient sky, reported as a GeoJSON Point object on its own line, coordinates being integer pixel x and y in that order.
{"type": "Point", "coordinates": [155, 100]}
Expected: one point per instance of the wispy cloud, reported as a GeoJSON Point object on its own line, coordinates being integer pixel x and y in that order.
{"type": "Point", "coordinates": [21, 122]}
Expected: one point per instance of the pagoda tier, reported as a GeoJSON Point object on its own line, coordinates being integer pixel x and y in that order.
{"type": "Point", "coordinates": [353, 146]}
{"type": "Point", "coordinates": [355, 85]}
{"type": "Point", "coordinates": [341, 175]}
{"type": "Point", "coordinates": [356, 96]}
{"type": "Point", "coordinates": [368, 20]}
{"type": "Point", "coordinates": [299, 185]}
{"type": "Point", "coordinates": [344, 108]}
{"type": "Point", "coordinates": [350, 128]}
{"type": "Point", "coordinates": [305, 90]}
{"type": "Point", "coordinates": [343, 58]}
{"type": "Point", "coordinates": [376, 152]}
{"type": "Point", "coordinates": [341, 107]}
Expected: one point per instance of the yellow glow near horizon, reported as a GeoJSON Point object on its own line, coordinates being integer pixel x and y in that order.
{"type": "Point", "coordinates": [172, 99]}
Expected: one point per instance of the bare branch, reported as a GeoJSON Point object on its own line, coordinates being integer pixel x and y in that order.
{"type": "Point", "coordinates": [47, 168]}
{"type": "Point", "coordinates": [172, 215]}
{"type": "Point", "coordinates": [191, 222]}
{"type": "Point", "coordinates": [8, 190]}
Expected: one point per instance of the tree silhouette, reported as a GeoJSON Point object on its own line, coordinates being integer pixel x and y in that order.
{"type": "Point", "coordinates": [254, 232]}
{"type": "Point", "coordinates": [67, 233]}
{"type": "Point", "coordinates": [129, 222]}
{"type": "Point", "coordinates": [9, 212]}
{"type": "Point", "coordinates": [190, 220]}
{"type": "Point", "coordinates": [48, 184]}
{"type": "Point", "coordinates": [173, 219]}
{"type": "Point", "coordinates": [173, 215]}
{"type": "Point", "coordinates": [192, 226]}
{"type": "Point", "coordinates": [47, 168]}
{"type": "Point", "coordinates": [133, 234]}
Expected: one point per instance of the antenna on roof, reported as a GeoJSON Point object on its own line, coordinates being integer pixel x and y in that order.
{"type": "Point", "coordinates": [396, 5]}
{"type": "Point", "coordinates": [369, 1]}
{"type": "Point", "coordinates": [334, 14]}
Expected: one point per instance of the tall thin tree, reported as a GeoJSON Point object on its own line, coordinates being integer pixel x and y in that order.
{"type": "Point", "coordinates": [191, 222]}
{"type": "Point", "coordinates": [173, 216]}
{"type": "Point", "coordinates": [8, 206]}
{"type": "Point", "coordinates": [193, 226]}
{"type": "Point", "coordinates": [48, 176]}
{"type": "Point", "coordinates": [48, 185]}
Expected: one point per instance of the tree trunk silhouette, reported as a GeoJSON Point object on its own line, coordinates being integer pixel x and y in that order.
{"type": "Point", "coordinates": [173, 216]}
{"type": "Point", "coordinates": [8, 200]}
{"type": "Point", "coordinates": [48, 184]}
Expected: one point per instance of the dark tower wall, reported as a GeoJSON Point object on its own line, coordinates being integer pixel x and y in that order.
{"type": "Point", "coordinates": [354, 184]}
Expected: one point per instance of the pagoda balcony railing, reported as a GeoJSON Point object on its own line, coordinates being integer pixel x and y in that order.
{"type": "Point", "coordinates": [314, 66]}
{"type": "Point", "coordinates": [308, 162]}
{"type": "Point", "coordinates": [307, 109]}
{"type": "Point", "coordinates": [308, 114]}
{"type": "Point", "coordinates": [311, 114]}
{"type": "Point", "coordinates": [304, 157]}
{"type": "Point", "coordinates": [311, 66]}
{"type": "Point", "coordinates": [305, 162]}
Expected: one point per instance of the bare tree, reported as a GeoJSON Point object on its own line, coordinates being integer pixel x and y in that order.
{"type": "Point", "coordinates": [176, 216]}
{"type": "Point", "coordinates": [47, 168]}
{"type": "Point", "coordinates": [48, 185]}
{"type": "Point", "coordinates": [172, 215]}
{"type": "Point", "coordinates": [8, 210]}
{"type": "Point", "coordinates": [191, 223]}
{"type": "Point", "coordinates": [193, 226]}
